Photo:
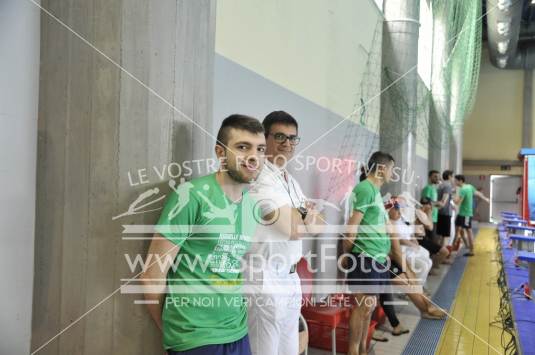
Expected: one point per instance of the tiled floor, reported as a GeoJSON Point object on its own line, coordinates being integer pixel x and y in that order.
{"type": "Point", "coordinates": [475, 306]}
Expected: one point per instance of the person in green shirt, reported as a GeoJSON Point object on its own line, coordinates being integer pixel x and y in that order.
{"type": "Point", "coordinates": [204, 233]}
{"type": "Point", "coordinates": [430, 191]}
{"type": "Point", "coordinates": [368, 248]}
{"type": "Point", "coordinates": [463, 222]}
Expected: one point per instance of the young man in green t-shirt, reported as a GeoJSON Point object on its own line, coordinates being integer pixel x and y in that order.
{"type": "Point", "coordinates": [204, 230]}
{"type": "Point", "coordinates": [430, 191]}
{"type": "Point", "coordinates": [368, 248]}
{"type": "Point", "coordinates": [463, 222]}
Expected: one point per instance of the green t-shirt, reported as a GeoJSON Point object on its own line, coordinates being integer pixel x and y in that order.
{"type": "Point", "coordinates": [430, 191]}
{"type": "Point", "coordinates": [371, 239]}
{"type": "Point", "coordinates": [205, 304]}
{"type": "Point", "coordinates": [466, 192]}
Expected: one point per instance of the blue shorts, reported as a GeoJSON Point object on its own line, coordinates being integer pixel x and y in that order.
{"type": "Point", "coordinates": [367, 275]}
{"type": "Point", "coordinates": [238, 347]}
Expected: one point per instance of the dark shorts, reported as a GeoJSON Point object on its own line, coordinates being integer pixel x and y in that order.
{"type": "Point", "coordinates": [238, 347]}
{"type": "Point", "coordinates": [367, 275]}
{"type": "Point", "coordinates": [428, 244]}
{"type": "Point", "coordinates": [463, 222]}
{"type": "Point", "coordinates": [395, 269]}
{"type": "Point", "coordinates": [444, 225]}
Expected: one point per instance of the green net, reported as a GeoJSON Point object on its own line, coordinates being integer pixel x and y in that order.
{"type": "Point", "coordinates": [432, 113]}
{"type": "Point", "coordinates": [455, 74]}
{"type": "Point", "coordinates": [458, 72]}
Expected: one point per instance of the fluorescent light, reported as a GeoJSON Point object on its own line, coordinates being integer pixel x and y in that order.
{"type": "Point", "coordinates": [503, 27]}
{"type": "Point", "coordinates": [503, 45]}
{"type": "Point", "coordinates": [502, 62]}
{"type": "Point", "coordinates": [504, 5]}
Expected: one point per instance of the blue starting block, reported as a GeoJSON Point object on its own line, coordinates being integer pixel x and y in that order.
{"type": "Point", "coordinates": [518, 221]}
{"type": "Point", "coordinates": [529, 258]}
{"type": "Point", "coordinates": [523, 242]}
{"type": "Point", "coordinates": [526, 230]}
{"type": "Point", "coordinates": [512, 214]}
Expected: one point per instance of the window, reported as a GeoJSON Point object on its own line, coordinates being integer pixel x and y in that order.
{"type": "Point", "coordinates": [425, 42]}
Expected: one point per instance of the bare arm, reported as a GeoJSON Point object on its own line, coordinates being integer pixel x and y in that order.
{"type": "Point", "coordinates": [397, 256]}
{"type": "Point", "coordinates": [457, 200]}
{"type": "Point", "coordinates": [481, 196]}
{"type": "Point", "coordinates": [163, 249]}
{"type": "Point", "coordinates": [444, 201]}
{"type": "Point", "coordinates": [349, 238]}
{"type": "Point", "coordinates": [395, 249]}
{"type": "Point", "coordinates": [425, 219]}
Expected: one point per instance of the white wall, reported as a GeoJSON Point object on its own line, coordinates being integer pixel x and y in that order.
{"type": "Point", "coordinates": [19, 83]}
{"type": "Point", "coordinates": [309, 58]}
{"type": "Point", "coordinates": [314, 48]}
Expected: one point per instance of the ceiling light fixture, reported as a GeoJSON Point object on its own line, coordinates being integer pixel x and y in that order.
{"type": "Point", "coordinates": [503, 27]}
{"type": "Point", "coordinates": [504, 5]}
{"type": "Point", "coordinates": [502, 46]}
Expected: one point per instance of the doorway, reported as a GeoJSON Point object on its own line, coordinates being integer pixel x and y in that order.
{"type": "Point", "coordinates": [503, 195]}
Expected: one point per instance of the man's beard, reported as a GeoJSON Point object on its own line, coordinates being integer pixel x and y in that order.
{"type": "Point", "coordinates": [235, 175]}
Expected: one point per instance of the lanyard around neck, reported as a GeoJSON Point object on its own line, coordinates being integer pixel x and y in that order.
{"type": "Point", "coordinates": [286, 185]}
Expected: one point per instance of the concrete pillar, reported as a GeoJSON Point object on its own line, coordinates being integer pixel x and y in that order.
{"type": "Point", "coordinates": [19, 84]}
{"type": "Point", "coordinates": [456, 149]}
{"type": "Point", "coordinates": [399, 56]}
{"type": "Point", "coordinates": [439, 141]}
{"type": "Point", "coordinates": [98, 127]}
{"type": "Point", "coordinates": [439, 125]}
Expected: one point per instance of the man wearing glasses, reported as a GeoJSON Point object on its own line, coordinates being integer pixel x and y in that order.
{"type": "Point", "coordinates": [270, 267]}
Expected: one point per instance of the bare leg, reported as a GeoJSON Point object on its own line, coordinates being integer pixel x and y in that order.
{"type": "Point", "coordinates": [441, 256]}
{"type": "Point", "coordinates": [370, 305]}
{"type": "Point", "coordinates": [464, 236]}
{"type": "Point", "coordinates": [359, 322]}
{"type": "Point", "coordinates": [420, 301]}
{"type": "Point", "coordinates": [456, 239]}
{"type": "Point", "coordinates": [355, 329]}
{"type": "Point", "coordinates": [470, 238]}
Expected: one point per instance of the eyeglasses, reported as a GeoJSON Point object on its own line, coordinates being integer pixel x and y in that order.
{"type": "Point", "coordinates": [281, 138]}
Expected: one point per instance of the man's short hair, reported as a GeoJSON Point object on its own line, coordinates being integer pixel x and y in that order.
{"type": "Point", "coordinates": [431, 172]}
{"type": "Point", "coordinates": [236, 121]}
{"type": "Point", "coordinates": [376, 159]}
{"type": "Point", "coordinates": [447, 174]}
{"type": "Point", "coordinates": [425, 201]}
{"type": "Point", "coordinates": [460, 178]}
{"type": "Point", "coordinates": [278, 117]}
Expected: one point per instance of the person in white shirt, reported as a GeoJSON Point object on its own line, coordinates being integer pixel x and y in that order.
{"type": "Point", "coordinates": [274, 288]}
{"type": "Point", "coordinates": [417, 256]}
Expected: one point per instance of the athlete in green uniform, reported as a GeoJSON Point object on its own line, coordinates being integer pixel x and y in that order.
{"type": "Point", "coordinates": [430, 191]}
{"type": "Point", "coordinates": [463, 221]}
{"type": "Point", "coordinates": [205, 229]}
{"type": "Point", "coordinates": [367, 249]}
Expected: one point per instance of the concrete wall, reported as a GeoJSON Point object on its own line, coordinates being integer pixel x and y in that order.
{"type": "Point", "coordinates": [97, 127]}
{"type": "Point", "coordinates": [320, 56]}
{"type": "Point", "coordinates": [19, 83]}
{"type": "Point", "coordinates": [493, 131]}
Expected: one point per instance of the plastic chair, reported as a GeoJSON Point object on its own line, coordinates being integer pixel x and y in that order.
{"type": "Point", "coordinates": [333, 317]}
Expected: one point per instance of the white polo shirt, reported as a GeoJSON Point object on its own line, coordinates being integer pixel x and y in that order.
{"type": "Point", "coordinates": [275, 188]}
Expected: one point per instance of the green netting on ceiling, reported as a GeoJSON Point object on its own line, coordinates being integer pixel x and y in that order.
{"type": "Point", "coordinates": [437, 110]}
{"type": "Point", "coordinates": [455, 74]}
